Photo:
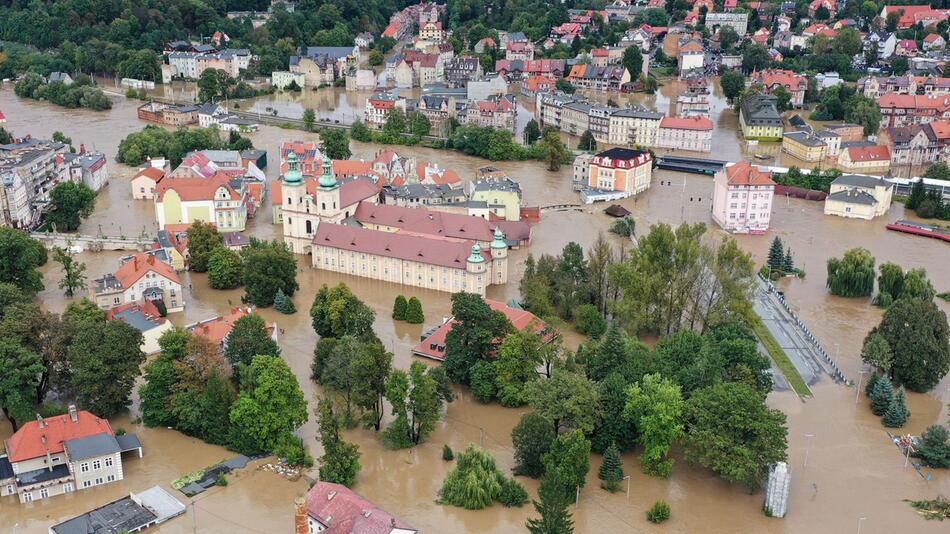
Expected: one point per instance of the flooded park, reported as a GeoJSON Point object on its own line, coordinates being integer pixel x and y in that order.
{"type": "Point", "coordinates": [843, 465]}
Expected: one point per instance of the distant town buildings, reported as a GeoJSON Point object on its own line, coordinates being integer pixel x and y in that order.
{"type": "Point", "coordinates": [742, 198]}
{"type": "Point", "coordinates": [191, 64]}
{"type": "Point", "coordinates": [772, 79]}
{"type": "Point", "coordinates": [919, 144]}
{"type": "Point", "coordinates": [859, 197]}
{"type": "Point", "coordinates": [321, 65]}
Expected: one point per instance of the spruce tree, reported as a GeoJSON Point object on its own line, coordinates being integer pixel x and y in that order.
{"type": "Point", "coordinates": [869, 387]}
{"type": "Point", "coordinates": [897, 412]}
{"type": "Point", "coordinates": [414, 313]}
{"type": "Point", "coordinates": [881, 396]}
{"type": "Point", "coordinates": [283, 304]}
{"type": "Point", "coordinates": [776, 257]}
{"type": "Point", "coordinates": [611, 469]}
{"type": "Point", "coordinates": [551, 505]}
{"type": "Point", "coordinates": [399, 308]}
{"type": "Point", "coordinates": [789, 264]}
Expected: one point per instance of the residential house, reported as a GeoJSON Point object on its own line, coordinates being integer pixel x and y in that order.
{"type": "Point", "coordinates": [145, 181]}
{"type": "Point", "coordinates": [877, 86]}
{"type": "Point", "coordinates": [885, 43]}
{"type": "Point", "coordinates": [829, 5]}
{"type": "Point", "coordinates": [336, 509]}
{"type": "Point", "coordinates": [737, 21]}
{"type": "Point", "coordinates": [364, 40]}
{"type": "Point", "coordinates": [846, 131]}
{"type": "Point", "coordinates": [906, 48]}
{"type": "Point", "coordinates": [686, 133]}
{"type": "Point", "coordinates": [378, 106]}
{"type": "Point", "coordinates": [428, 195]}
{"type": "Point", "coordinates": [804, 145]}
{"type": "Point", "coordinates": [693, 103]}
{"type": "Point", "coordinates": [140, 278]}
{"type": "Point", "coordinates": [759, 118]}
{"type": "Point", "coordinates": [586, 76]}
{"type": "Point", "coordinates": [459, 70]}
{"type": "Point", "coordinates": [638, 37]}
{"type": "Point", "coordinates": [514, 70]}
{"type": "Point", "coordinates": [88, 168]}
{"type": "Point", "coordinates": [168, 114]}
{"type": "Point", "coordinates": [62, 454]}
{"type": "Point", "coordinates": [323, 65]}
{"type": "Point", "coordinates": [792, 41]}
{"type": "Point", "coordinates": [532, 85]}
{"type": "Point", "coordinates": [621, 169]}
{"type": "Point", "coordinates": [144, 317]}
{"type": "Point", "coordinates": [691, 56]}
{"type": "Point", "coordinates": [919, 144]}
{"type": "Point", "coordinates": [919, 14]}
{"type": "Point", "coordinates": [772, 79]}
{"type": "Point", "coordinates": [742, 198]}
{"type": "Point", "coordinates": [905, 110]}
{"type": "Point", "coordinates": [934, 42]}
{"type": "Point", "coordinates": [501, 193]}
{"type": "Point", "coordinates": [172, 242]}
{"type": "Point", "coordinates": [281, 79]}
{"type": "Point", "coordinates": [519, 50]}
{"type": "Point", "coordinates": [832, 142]}
{"type": "Point", "coordinates": [217, 329]}
{"type": "Point", "coordinates": [431, 32]}
{"type": "Point", "coordinates": [859, 197]}
{"type": "Point", "coordinates": [874, 158]}
{"type": "Point", "coordinates": [220, 199]}
{"type": "Point", "coordinates": [498, 111]}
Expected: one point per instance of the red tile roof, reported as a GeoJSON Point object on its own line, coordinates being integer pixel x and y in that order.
{"type": "Point", "coordinates": [434, 345]}
{"type": "Point", "coordinates": [218, 328]}
{"type": "Point", "coordinates": [424, 221]}
{"type": "Point", "coordinates": [686, 123]}
{"type": "Point", "coordinates": [895, 100]}
{"type": "Point", "coordinates": [129, 272]}
{"type": "Point", "coordinates": [343, 511]}
{"type": "Point", "coordinates": [33, 441]}
{"type": "Point", "coordinates": [744, 173]}
{"type": "Point", "coordinates": [941, 128]}
{"type": "Point", "coordinates": [786, 78]}
{"type": "Point", "coordinates": [357, 191]}
{"type": "Point", "coordinates": [869, 153]}
{"type": "Point", "coordinates": [194, 189]}
{"type": "Point", "coordinates": [154, 173]}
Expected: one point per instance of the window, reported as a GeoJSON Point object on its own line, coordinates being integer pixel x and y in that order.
{"type": "Point", "coordinates": [110, 478]}
{"type": "Point", "coordinates": [68, 487]}
{"type": "Point", "coordinates": [290, 201]}
{"type": "Point", "coordinates": [96, 465]}
{"type": "Point", "coordinates": [99, 480]}
{"type": "Point", "coordinates": [86, 483]}
{"type": "Point", "coordinates": [28, 497]}
{"type": "Point", "coordinates": [9, 489]}
{"type": "Point", "coordinates": [44, 493]}
{"type": "Point", "coordinates": [108, 462]}
{"type": "Point", "coordinates": [309, 227]}
{"type": "Point", "coordinates": [84, 467]}
{"type": "Point", "coordinates": [115, 300]}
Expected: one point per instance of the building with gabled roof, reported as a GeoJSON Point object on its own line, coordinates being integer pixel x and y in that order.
{"type": "Point", "coordinates": [772, 79]}
{"type": "Point", "coordinates": [865, 158]}
{"type": "Point", "coordinates": [217, 329]}
{"type": "Point", "coordinates": [742, 198]}
{"type": "Point", "coordinates": [686, 133]}
{"type": "Point", "coordinates": [759, 118]}
{"type": "Point", "coordinates": [219, 199]}
{"type": "Point", "coordinates": [336, 509]}
{"type": "Point", "coordinates": [140, 278]}
{"type": "Point", "coordinates": [857, 196]}
{"type": "Point", "coordinates": [144, 317]}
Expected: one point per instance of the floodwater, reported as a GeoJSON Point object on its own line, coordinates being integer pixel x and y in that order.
{"type": "Point", "coordinates": [852, 470]}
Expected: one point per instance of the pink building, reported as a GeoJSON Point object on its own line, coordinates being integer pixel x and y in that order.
{"type": "Point", "coordinates": [742, 198]}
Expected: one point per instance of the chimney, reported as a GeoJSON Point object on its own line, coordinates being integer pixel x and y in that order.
{"type": "Point", "coordinates": [300, 516]}
{"type": "Point", "coordinates": [39, 421]}
{"type": "Point", "coordinates": [82, 148]}
{"type": "Point", "coordinates": [73, 414]}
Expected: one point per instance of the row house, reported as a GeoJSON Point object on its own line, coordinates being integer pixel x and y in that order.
{"type": "Point", "coordinates": [877, 86]}
{"type": "Point", "coordinates": [906, 110]}
{"type": "Point", "coordinates": [519, 50]}
{"type": "Point", "coordinates": [685, 133]}
{"type": "Point", "coordinates": [772, 79]}
{"type": "Point", "coordinates": [191, 64]}
{"type": "Point", "coordinates": [598, 78]}
{"type": "Point", "coordinates": [919, 144]}
{"type": "Point", "coordinates": [88, 168]}
{"type": "Point", "coordinates": [549, 108]}
{"type": "Point", "coordinates": [634, 126]}
{"type": "Point", "coordinates": [532, 85]}
{"type": "Point", "coordinates": [139, 279]}
{"type": "Point", "coordinates": [439, 110]}
{"type": "Point", "coordinates": [575, 117]}
{"type": "Point", "coordinates": [29, 169]}
{"type": "Point", "coordinates": [460, 70]}
{"type": "Point", "coordinates": [515, 70]}
{"type": "Point", "coordinates": [323, 65]}
{"type": "Point", "coordinates": [168, 114]}
{"type": "Point", "coordinates": [498, 111]}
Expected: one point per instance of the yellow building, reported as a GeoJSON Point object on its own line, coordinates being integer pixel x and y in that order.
{"type": "Point", "coordinates": [501, 194]}
{"type": "Point", "coordinates": [804, 146]}
{"type": "Point", "coordinates": [874, 158]}
{"type": "Point", "coordinates": [189, 200]}
{"type": "Point", "coordinates": [859, 197]}
{"type": "Point", "coordinates": [759, 118]}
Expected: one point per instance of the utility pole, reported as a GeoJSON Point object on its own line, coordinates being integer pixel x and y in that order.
{"type": "Point", "coordinates": [194, 517]}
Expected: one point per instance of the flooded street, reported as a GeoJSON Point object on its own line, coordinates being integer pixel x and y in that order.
{"type": "Point", "coordinates": [852, 470]}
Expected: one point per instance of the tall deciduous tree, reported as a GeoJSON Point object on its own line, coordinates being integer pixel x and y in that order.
{"type": "Point", "coordinates": [474, 335]}
{"type": "Point", "coordinates": [569, 459]}
{"type": "Point", "coordinates": [335, 143]}
{"type": "Point", "coordinates": [203, 237]}
{"type": "Point", "coordinates": [267, 268]}
{"type": "Point", "coordinates": [225, 268]}
{"type": "Point", "coordinates": [249, 338]}
{"type": "Point", "coordinates": [917, 333]}
{"type": "Point", "coordinates": [20, 255]}
{"type": "Point", "coordinates": [532, 438]}
{"type": "Point", "coordinates": [71, 202]}
{"type": "Point", "coordinates": [633, 61]}
{"type": "Point", "coordinates": [566, 399]}
{"type": "Point", "coordinates": [340, 462]}
{"type": "Point", "coordinates": [613, 428]}
{"type": "Point", "coordinates": [269, 405]}
{"type": "Point", "coordinates": [518, 358]}
{"type": "Point", "coordinates": [46, 334]}
{"type": "Point", "coordinates": [73, 272]}
{"type": "Point", "coordinates": [19, 374]}
{"type": "Point", "coordinates": [105, 358]}
{"type": "Point", "coordinates": [656, 406]}
{"type": "Point", "coordinates": [852, 275]}
{"type": "Point", "coordinates": [417, 404]}
{"type": "Point", "coordinates": [337, 312]}
{"type": "Point", "coordinates": [369, 369]}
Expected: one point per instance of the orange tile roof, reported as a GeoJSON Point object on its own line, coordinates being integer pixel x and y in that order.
{"type": "Point", "coordinates": [894, 100]}
{"type": "Point", "coordinates": [33, 441]}
{"type": "Point", "coordinates": [194, 189]}
{"type": "Point", "coordinates": [744, 173]}
{"type": "Point", "coordinates": [869, 153]}
{"type": "Point", "coordinates": [941, 128]}
{"type": "Point", "coordinates": [129, 272]}
{"type": "Point", "coordinates": [218, 328]}
{"type": "Point", "coordinates": [350, 167]}
{"type": "Point", "coordinates": [686, 123]}
{"type": "Point", "coordinates": [154, 173]}
{"type": "Point", "coordinates": [785, 78]}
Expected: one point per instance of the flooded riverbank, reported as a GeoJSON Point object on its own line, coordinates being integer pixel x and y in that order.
{"type": "Point", "coordinates": [852, 470]}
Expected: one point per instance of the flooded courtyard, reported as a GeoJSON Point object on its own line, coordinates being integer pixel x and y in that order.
{"type": "Point", "coordinates": [852, 470]}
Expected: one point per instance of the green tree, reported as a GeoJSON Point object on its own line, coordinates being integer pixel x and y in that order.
{"type": "Point", "coordinates": [532, 438]}
{"type": "Point", "coordinates": [734, 433]}
{"type": "Point", "coordinates": [155, 394]}
{"type": "Point", "coordinates": [267, 268]}
{"type": "Point", "coordinates": [732, 82]}
{"type": "Point", "coordinates": [417, 404]}
{"type": "Point", "coordinates": [566, 399]}
{"type": "Point", "coordinates": [203, 238]}
{"type": "Point", "coordinates": [309, 117]}
{"type": "Point", "coordinates": [370, 368]}
{"type": "Point", "coordinates": [934, 447]}
{"type": "Point", "coordinates": [376, 58]}
{"type": "Point", "coordinates": [209, 86]}
{"type": "Point", "coordinates": [395, 124]}
{"type": "Point", "coordinates": [569, 459]}
{"type": "Point", "coordinates": [554, 150]}
{"type": "Point", "coordinates": [587, 142]}
{"type": "Point", "coordinates": [474, 335]}
{"type": "Point", "coordinates": [337, 312]}
{"type": "Point", "coordinates": [897, 412]}
{"type": "Point", "coordinates": [864, 111]}
{"type": "Point", "coordinates": [19, 373]}
{"type": "Point", "coordinates": [73, 272]}
{"type": "Point", "coordinates": [872, 381]}
{"type": "Point", "coordinates": [225, 268]}
{"type": "Point", "coordinates": [519, 356]}
{"type": "Point", "coordinates": [532, 132]}
{"type": "Point", "coordinates": [656, 407]}
{"type": "Point", "coordinates": [335, 143]}
{"type": "Point", "coordinates": [917, 191]}
{"type": "Point", "coordinates": [483, 383]}
{"type": "Point", "coordinates": [414, 313]}
{"type": "Point", "coordinates": [727, 38]}
{"type": "Point", "coordinates": [71, 202]}
{"type": "Point", "coordinates": [283, 303]}
{"type": "Point", "coordinates": [475, 482]}
{"type": "Point", "coordinates": [360, 132]}
{"type": "Point", "coordinates": [848, 41]}
{"type": "Point", "coordinates": [512, 493]}
{"type": "Point", "coordinates": [881, 396]}
{"type": "Point", "coordinates": [852, 275]}
{"type": "Point", "coordinates": [447, 454]}
{"type": "Point", "coordinates": [589, 321]}
{"type": "Point", "coordinates": [399, 308]}
{"type": "Point", "coordinates": [917, 333]}
{"type": "Point", "coordinates": [419, 124]}
{"type": "Point", "coordinates": [20, 255]}
{"type": "Point", "coordinates": [611, 469]}
{"type": "Point", "coordinates": [877, 352]}
{"type": "Point", "coordinates": [551, 505]}
{"type": "Point", "coordinates": [754, 57]}
{"type": "Point", "coordinates": [564, 86]}
{"type": "Point", "coordinates": [249, 338]}
{"type": "Point", "coordinates": [340, 462]}
{"type": "Point", "coordinates": [613, 428]}
{"type": "Point", "coordinates": [783, 99]}
{"type": "Point", "coordinates": [105, 358]}
{"type": "Point", "coordinates": [269, 405]}
{"type": "Point", "coordinates": [632, 61]}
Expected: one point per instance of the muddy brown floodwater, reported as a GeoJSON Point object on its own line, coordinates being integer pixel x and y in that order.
{"type": "Point", "coordinates": [852, 470]}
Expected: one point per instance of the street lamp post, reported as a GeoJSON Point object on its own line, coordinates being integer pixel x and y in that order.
{"type": "Point", "coordinates": [860, 520]}
{"type": "Point", "coordinates": [807, 450]}
{"type": "Point", "coordinates": [860, 380]}
{"type": "Point", "coordinates": [627, 478]}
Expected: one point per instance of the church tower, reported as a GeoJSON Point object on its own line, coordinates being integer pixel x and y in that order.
{"type": "Point", "coordinates": [475, 271]}
{"type": "Point", "coordinates": [499, 258]}
{"type": "Point", "coordinates": [294, 207]}
{"type": "Point", "coordinates": [327, 197]}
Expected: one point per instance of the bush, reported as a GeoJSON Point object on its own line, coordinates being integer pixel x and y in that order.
{"type": "Point", "coordinates": [659, 512]}
{"type": "Point", "coordinates": [283, 304]}
{"type": "Point", "coordinates": [447, 454]}
{"type": "Point", "coordinates": [483, 380]}
{"type": "Point", "coordinates": [399, 308]}
{"type": "Point", "coordinates": [475, 482]}
{"type": "Point", "coordinates": [414, 313]}
{"type": "Point", "coordinates": [222, 481]}
{"type": "Point", "coordinates": [290, 447]}
{"type": "Point", "coordinates": [512, 493]}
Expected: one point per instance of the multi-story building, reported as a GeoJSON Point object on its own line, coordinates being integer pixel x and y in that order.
{"type": "Point", "coordinates": [519, 50]}
{"type": "Point", "coordinates": [598, 78]}
{"type": "Point", "coordinates": [168, 114]}
{"type": "Point", "coordinates": [635, 125]}
{"type": "Point", "coordinates": [140, 278]}
{"type": "Point", "coordinates": [532, 85]}
{"type": "Point", "coordinates": [459, 70]}
{"type": "Point", "coordinates": [88, 168]}
{"type": "Point", "coordinates": [693, 103]}
{"type": "Point", "coordinates": [498, 111]}
{"type": "Point", "coordinates": [29, 169]}
{"type": "Point", "coordinates": [873, 158]}
{"type": "Point", "coordinates": [191, 64]}
{"type": "Point", "coordinates": [621, 169]}
{"type": "Point", "coordinates": [145, 181]}
{"type": "Point", "coordinates": [549, 108]}
{"type": "Point", "coordinates": [144, 317]}
{"type": "Point", "coordinates": [742, 198]}
{"type": "Point", "coordinates": [501, 193]}
{"type": "Point", "coordinates": [911, 15]}
{"type": "Point", "coordinates": [575, 117]}
{"type": "Point", "coordinates": [772, 79]}
{"type": "Point", "coordinates": [415, 195]}
{"type": "Point", "coordinates": [685, 133]}
{"type": "Point", "coordinates": [804, 145]}
{"type": "Point", "coordinates": [378, 106]}
{"type": "Point", "coordinates": [919, 144]}
{"type": "Point", "coordinates": [737, 21]}
{"type": "Point", "coordinates": [431, 32]}
{"type": "Point", "coordinates": [581, 171]}
{"type": "Point", "coordinates": [220, 199]}
{"type": "Point", "coordinates": [516, 69]}
{"type": "Point", "coordinates": [759, 118]}
{"type": "Point", "coordinates": [859, 197]}
{"type": "Point", "coordinates": [906, 110]}
{"type": "Point", "coordinates": [323, 65]}
{"type": "Point", "coordinates": [62, 454]}
{"type": "Point", "coordinates": [336, 509]}
{"type": "Point", "coordinates": [281, 79]}
{"type": "Point", "coordinates": [217, 329]}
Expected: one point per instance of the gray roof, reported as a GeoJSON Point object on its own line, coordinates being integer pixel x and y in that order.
{"type": "Point", "coordinates": [638, 112]}
{"type": "Point", "coordinates": [333, 52]}
{"type": "Point", "coordinates": [804, 138]}
{"type": "Point", "coordinates": [6, 470]}
{"type": "Point", "coordinates": [42, 475]}
{"type": "Point", "coordinates": [860, 180]}
{"type": "Point", "coordinates": [91, 446]}
{"type": "Point", "coordinates": [496, 184]}
{"type": "Point", "coordinates": [853, 196]}
{"type": "Point", "coordinates": [128, 442]}
{"type": "Point", "coordinates": [760, 110]}
{"type": "Point", "coordinates": [123, 515]}
{"type": "Point", "coordinates": [135, 318]}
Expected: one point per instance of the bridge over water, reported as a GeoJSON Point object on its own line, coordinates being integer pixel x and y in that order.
{"type": "Point", "coordinates": [93, 243]}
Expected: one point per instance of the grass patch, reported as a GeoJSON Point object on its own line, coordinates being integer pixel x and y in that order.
{"type": "Point", "coordinates": [781, 360]}
{"type": "Point", "coordinates": [944, 296]}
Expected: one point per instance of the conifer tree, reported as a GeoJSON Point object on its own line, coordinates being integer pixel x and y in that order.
{"type": "Point", "coordinates": [399, 308]}
{"type": "Point", "coordinates": [789, 264]}
{"type": "Point", "coordinates": [414, 313]}
{"type": "Point", "coordinates": [283, 304]}
{"type": "Point", "coordinates": [776, 258]}
{"type": "Point", "coordinates": [869, 387]}
{"type": "Point", "coordinates": [881, 396]}
{"type": "Point", "coordinates": [611, 469]}
{"type": "Point", "coordinates": [552, 506]}
{"type": "Point", "coordinates": [897, 412]}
